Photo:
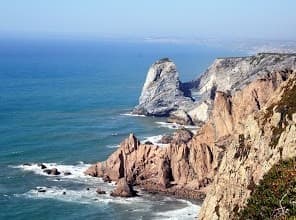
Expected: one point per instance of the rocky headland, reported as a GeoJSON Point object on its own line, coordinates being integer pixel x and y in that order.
{"type": "Point", "coordinates": [246, 109]}
{"type": "Point", "coordinates": [163, 93]}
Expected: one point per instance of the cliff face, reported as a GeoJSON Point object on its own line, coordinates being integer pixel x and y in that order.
{"type": "Point", "coordinates": [163, 94]}
{"type": "Point", "coordinates": [188, 164]}
{"type": "Point", "coordinates": [262, 140]}
{"type": "Point", "coordinates": [251, 127]}
{"type": "Point", "coordinates": [232, 74]}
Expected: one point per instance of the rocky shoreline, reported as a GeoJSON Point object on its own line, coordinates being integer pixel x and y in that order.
{"type": "Point", "coordinates": [242, 105]}
{"type": "Point", "coordinates": [176, 192]}
{"type": "Point", "coordinates": [164, 95]}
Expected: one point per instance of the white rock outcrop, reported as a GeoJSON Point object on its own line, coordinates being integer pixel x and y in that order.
{"type": "Point", "coordinates": [163, 93]}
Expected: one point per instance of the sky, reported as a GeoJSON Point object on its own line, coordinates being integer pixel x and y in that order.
{"type": "Point", "coordinates": [258, 19]}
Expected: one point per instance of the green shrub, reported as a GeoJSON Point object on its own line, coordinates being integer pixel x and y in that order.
{"type": "Point", "coordinates": [275, 196]}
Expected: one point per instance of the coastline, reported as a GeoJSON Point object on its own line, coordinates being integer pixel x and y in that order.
{"type": "Point", "coordinates": [67, 135]}
{"type": "Point", "coordinates": [169, 206]}
{"type": "Point", "coordinates": [190, 163]}
{"type": "Point", "coordinates": [197, 196]}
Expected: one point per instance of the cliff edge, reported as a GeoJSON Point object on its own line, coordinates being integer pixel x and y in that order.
{"type": "Point", "coordinates": [250, 128]}
{"type": "Point", "coordinates": [264, 139]}
{"type": "Point", "coordinates": [163, 94]}
{"type": "Point", "coordinates": [188, 164]}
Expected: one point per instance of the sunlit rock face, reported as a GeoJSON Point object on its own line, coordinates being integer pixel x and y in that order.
{"type": "Point", "coordinates": [163, 94]}
{"type": "Point", "coordinates": [256, 143]}
{"type": "Point", "coordinates": [187, 164]}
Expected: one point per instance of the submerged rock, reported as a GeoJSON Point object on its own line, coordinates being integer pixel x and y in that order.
{"type": "Point", "coordinates": [42, 166]}
{"type": "Point", "coordinates": [67, 173]}
{"type": "Point", "coordinates": [53, 171]}
{"type": "Point", "coordinates": [41, 189]}
{"type": "Point", "coordinates": [100, 191]}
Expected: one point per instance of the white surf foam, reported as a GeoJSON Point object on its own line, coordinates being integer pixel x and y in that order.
{"type": "Point", "coordinates": [154, 140]}
{"type": "Point", "coordinates": [132, 115]}
{"type": "Point", "coordinates": [82, 196]}
{"type": "Point", "coordinates": [88, 195]}
{"type": "Point", "coordinates": [75, 172]}
{"type": "Point", "coordinates": [113, 146]}
{"type": "Point", "coordinates": [176, 126]}
{"type": "Point", "coordinates": [187, 213]}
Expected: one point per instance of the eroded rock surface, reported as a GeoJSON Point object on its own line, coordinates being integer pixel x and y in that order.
{"type": "Point", "coordinates": [123, 189]}
{"type": "Point", "coordinates": [162, 91]}
{"type": "Point", "coordinates": [189, 163]}
{"type": "Point", "coordinates": [261, 140]}
{"type": "Point", "coordinates": [249, 126]}
{"type": "Point", "coordinates": [163, 94]}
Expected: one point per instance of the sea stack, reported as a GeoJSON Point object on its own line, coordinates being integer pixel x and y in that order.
{"type": "Point", "coordinates": [251, 128]}
{"type": "Point", "coordinates": [162, 92]}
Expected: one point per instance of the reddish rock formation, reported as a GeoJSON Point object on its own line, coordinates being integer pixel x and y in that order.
{"type": "Point", "coordinates": [132, 160]}
{"type": "Point", "coordinates": [188, 163]}
{"type": "Point", "coordinates": [261, 140]}
{"type": "Point", "coordinates": [123, 189]}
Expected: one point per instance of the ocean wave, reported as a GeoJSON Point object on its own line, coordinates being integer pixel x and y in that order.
{"type": "Point", "coordinates": [86, 193]}
{"type": "Point", "coordinates": [190, 211]}
{"type": "Point", "coordinates": [154, 140]}
{"type": "Point", "coordinates": [113, 146]}
{"type": "Point", "coordinates": [132, 115]}
{"type": "Point", "coordinates": [72, 172]}
{"type": "Point", "coordinates": [176, 126]}
{"type": "Point", "coordinates": [82, 196]}
{"type": "Point", "coordinates": [140, 204]}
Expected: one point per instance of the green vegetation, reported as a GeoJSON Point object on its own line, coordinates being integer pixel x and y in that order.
{"type": "Point", "coordinates": [275, 196]}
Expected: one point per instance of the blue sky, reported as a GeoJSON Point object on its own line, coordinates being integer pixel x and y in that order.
{"type": "Point", "coordinates": [272, 19]}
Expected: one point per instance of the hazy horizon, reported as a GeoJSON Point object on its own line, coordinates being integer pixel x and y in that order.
{"type": "Point", "coordinates": [165, 20]}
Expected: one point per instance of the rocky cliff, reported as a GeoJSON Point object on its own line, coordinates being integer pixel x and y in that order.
{"type": "Point", "coordinates": [162, 92]}
{"type": "Point", "coordinates": [262, 140]}
{"type": "Point", "coordinates": [164, 95]}
{"type": "Point", "coordinates": [189, 163]}
{"type": "Point", "coordinates": [250, 128]}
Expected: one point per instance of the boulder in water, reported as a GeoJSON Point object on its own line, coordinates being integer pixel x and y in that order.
{"type": "Point", "coordinates": [100, 191]}
{"type": "Point", "coordinates": [42, 166]}
{"type": "Point", "coordinates": [67, 173]}
{"type": "Point", "coordinates": [53, 171]}
{"type": "Point", "coordinates": [123, 189]}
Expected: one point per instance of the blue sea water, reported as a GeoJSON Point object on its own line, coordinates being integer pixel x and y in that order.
{"type": "Point", "coordinates": [64, 103]}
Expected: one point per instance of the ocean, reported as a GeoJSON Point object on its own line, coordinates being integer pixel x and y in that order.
{"type": "Point", "coordinates": [66, 103]}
